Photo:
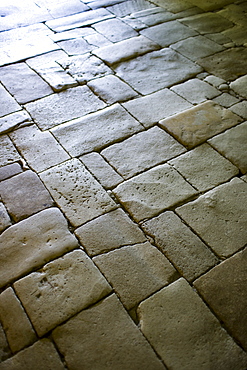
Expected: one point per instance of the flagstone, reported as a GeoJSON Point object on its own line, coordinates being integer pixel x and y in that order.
{"type": "Point", "coordinates": [8, 152]}
{"type": "Point", "coordinates": [4, 218]}
{"type": "Point", "coordinates": [10, 170]}
{"type": "Point", "coordinates": [207, 22]}
{"type": "Point", "coordinates": [115, 30]}
{"type": "Point", "coordinates": [8, 103]}
{"type": "Point", "coordinates": [13, 121]}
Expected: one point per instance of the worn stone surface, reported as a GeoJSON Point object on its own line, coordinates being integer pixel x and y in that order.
{"type": "Point", "coordinates": [204, 168]}
{"type": "Point", "coordinates": [14, 120]}
{"type": "Point", "coordinates": [24, 195]}
{"type": "Point", "coordinates": [8, 153]}
{"type": "Point", "coordinates": [215, 81]}
{"type": "Point", "coordinates": [42, 354]}
{"type": "Point", "coordinates": [33, 242]}
{"type": "Point", "coordinates": [64, 106]}
{"type": "Point", "coordinates": [4, 218]}
{"type": "Point", "coordinates": [4, 347]}
{"type": "Point", "coordinates": [156, 70]}
{"type": "Point", "coordinates": [237, 35]}
{"type": "Point", "coordinates": [136, 272]}
{"type": "Point", "coordinates": [115, 30]}
{"type": "Point", "coordinates": [128, 7]}
{"type": "Point", "coordinates": [184, 249]}
{"type": "Point", "coordinates": [153, 191]}
{"type": "Point", "coordinates": [62, 9]}
{"type": "Point", "coordinates": [107, 326]}
{"type": "Point", "coordinates": [154, 16]}
{"type": "Point", "coordinates": [55, 293]}
{"type": "Point", "coordinates": [218, 217]}
{"type": "Point", "coordinates": [208, 5]}
{"type": "Point", "coordinates": [10, 170]}
{"type": "Point", "coordinates": [33, 144]}
{"type": "Point", "coordinates": [142, 151]}
{"type": "Point", "coordinates": [103, 172]}
{"type": "Point", "coordinates": [76, 192]}
{"type": "Point", "coordinates": [175, 7]}
{"type": "Point", "coordinates": [233, 145]}
{"type": "Point", "coordinates": [76, 46]}
{"type": "Point", "coordinates": [223, 288]}
{"type": "Point", "coordinates": [184, 332]}
{"type": "Point", "coordinates": [110, 231]}
{"type": "Point", "coordinates": [77, 137]}
{"type": "Point", "coordinates": [8, 103]}
{"type": "Point", "coordinates": [207, 23]}
{"type": "Point", "coordinates": [226, 100]}
{"type": "Point", "coordinates": [239, 86]}
{"type": "Point", "coordinates": [151, 108]}
{"type": "Point", "coordinates": [96, 40]}
{"type": "Point", "coordinates": [16, 324]}
{"type": "Point", "coordinates": [199, 123]}
{"type": "Point", "coordinates": [240, 109]}
{"type": "Point", "coordinates": [234, 13]}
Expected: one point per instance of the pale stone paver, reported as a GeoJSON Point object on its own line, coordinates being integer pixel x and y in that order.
{"type": "Point", "coordinates": [4, 218]}
{"type": "Point", "coordinates": [78, 137]}
{"type": "Point", "coordinates": [42, 355]}
{"type": "Point", "coordinates": [13, 121]}
{"type": "Point", "coordinates": [8, 153]}
{"type": "Point", "coordinates": [142, 151]}
{"type": "Point", "coordinates": [199, 123]}
{"type": "Point", "coordinates": [153, 191]}
{"type": "Point", "coordinates": [107, 232]}
{"type": "Point", "coordinates": [97, 40]}
{"type": "Point", "coordinates": [33, 144]}
{"type": "Point", "coordinates": [76, 192]}
{"type": "Point", "coordinates": [156, 70]}
{"type": "Point", "coordinates": [185, 333]}
{"type": "Point", "coordinates": [115, 30]}
{"type": "Point", "coordinates": [72, 34]}
{"type": "Point", "coordinates": [214, 80]}
{"type": "Point", "coordinates": [24, 195]}
{"type": "Point", "coordinates": [240, 109]}
{"type": "Point", "coordinates": [61, 289]}
{"type": "Point", "coordinates": [185, 250]}
{"type": "Point", "coordinates": [127, 7]}
{"type": "Point", "coordinates": [226, 100]}
{"type": "Point", "coordinates": [103, 172]}
{"type": "Point", "coordinates": [76, 46]}
{"type": "Point", "coordinates": [10, 170]}
{"type": "Point", "coordinates": [240, 86]}
{"type": "Point", "coordinates": [219, 217]}
{"type": "Point", "coordinates": [18, 328]}
{"type": "Point", "coordinates": [223, 288]}
{"type": "Point", "coordinates": [154, 16]}
{"type": "Point", "coordinates": [151, 108]}
{"type": "Point", "coordinates": [63, 8]}
{"type": "Point", "coordinates": [207, 23]}
{"type": "Point", "coordinates": [33, 242]}
{"type": "Point", "coordinates": [233, 145]}
{"type": "Point", "coordinates": [135, 23]}
{"type": "Point", "coordinates": [175, 7]}
{"type": "Point", "coordinates": [107, 325]}
{"type": "Point", "coordinates": [8, 103]}
{"type": "Point", "coordinates": [204, 168]}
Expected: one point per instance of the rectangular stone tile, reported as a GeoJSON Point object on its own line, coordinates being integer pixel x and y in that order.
{"type": "Point", "coordinates": [33, 242]}
{"type": "Point", "coordinates": [240, 109]}
{"type": "Point", "coordinates": [127, 7]}
{"type": "Point", "coordinates": [154, 16]}
{"type": "Point", "coordinates": [14, 120]}
{"type": "Point", "coordinates": [55, 293]}
{"type": "Point", "coordinates": [185, 250]}
{"type": "Point", "coordinates": [197, 124]}
{"type": "Point", "coordinates": [8, 153]}
{"type": "Point", "coordinates": [185, 333]}
{"type": "Point", "coordinates": [174, 7]}
{"type": "Point", "coordinates": [115, 30]}
{"type": "Point", "coordinates": [240, 86]}
{"type": "Point", "coordinates": [64, 106]}
{"type": "Point", "coordinates": [224, 289]}
{"type": "Point", "coordinates": [153, 191]}
{"type": "Point", "coordinates": [10, 170]}
{"type": "Point", "coordinates": [226, 100]}
{"type": "Point", "coordinates": [142, 151]}
{"type": "Point", "coordinates": [76, 192]}
{"type": "Point", "coordinates": [75, 46]}
{"type": "Point", "coordinates": [207, 23]}
{"type": "Point", "coordinates": [237, 35]}
{"type": "Point", "coordinates": [8, 103]}
{"type": "Point", "coordinates": [33, 144]}
{"type": "Point", "coordinates": [110, 231]}
{"type": "Point", "coordinates": [84, 340]}
{"type": "Point", "coordinates": [219, 217]}
{"type": "Point", "coordinates": [4, 218]}
{"type": "Point", "coordinates": [96, 130]}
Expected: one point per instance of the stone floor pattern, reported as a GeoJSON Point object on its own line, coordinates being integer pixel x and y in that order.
{"type": "Point", "coordinates": [123, 185]}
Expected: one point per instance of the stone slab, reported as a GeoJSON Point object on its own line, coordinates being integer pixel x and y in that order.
{"type": "Point", "coordinates": [223, 288]}
{"type": "Point", "coordinates": [207, 23]}
{"type": "Point", "coordinates": [115, 30]}
{"type": "Point", "coordinates": [154, 16]}
{"type": "Point", "coordinates": [240, 109]}
{"type": "Point", "coordinates": [142, 151]}
{"type": "Point", "coordinates": [183, 331]}
{"type": "Point", "coordinates": [64, 106]}
{"type": "Point", "coordinates": [233, 145]}
{"type": "Point", "coordinates": [219, 217]}
{"type": "Point", "coordinates": [12, 121]}
{"type": "Point", "coordinates": [55, 293]}
{"type": "Point", "coordinates": [84, 341]}
{"type": "Point", "coordinates": [8, 103]}
{"type": "Point", "coordinates": [16, 324]}
{"type": "Point", "coordinates": [181, 246]}
{"type": "Point", "coordinates": [10, 170]}
{"type": "Point", "coordinates": [109, 125]}
{"type": "Point", "coordinates": [24, 195]}
{"type": "Point", "coordinates": [63, 8]}
{"type": "Point", "coordinates": [208, 5]}
{"type": "Point", "coordinates": [197, 124]}
{"type": "Point", "coordinates": [110, 231]}
{"type": "Point", "coordinates": [8, 153]}
{"type": "Point", "coordinates": [127, 7]}
{"type": "Point", "coordinates": [226, 100]}
{"type": "Point", "coordinates": [4, 218]}
{"type": "Point", "coordinates": [174, 7]}
{"type": "Point", "coordinates": [75, 46]}
{"type": "Point", "coordinates": [4, 347]}
{"type": "Point", "coordinates": [33, 143]}
{"type": "Point", "coordinates": [32, 242]}
{"type": "Point", "coordinates": [237, 35]}
{"type": "Point", "coordinates": [76, 192]}
{"type": "Point", "coordinates": [147, 194]}
{"type": "Point", "coordinates": [239, 86]}
{"type": "Point", "coordinates": [96, 40]}
{"type": "Point", "coordinates": [235, 13]}
{"type": "Point", "coordinates": [156, 70]}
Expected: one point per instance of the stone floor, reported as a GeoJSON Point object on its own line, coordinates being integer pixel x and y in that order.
{"type": "Point", "coordinates": [123, 184]}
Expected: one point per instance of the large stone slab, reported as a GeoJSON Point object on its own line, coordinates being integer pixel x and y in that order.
{"type": "Point", "coordinates": [76, 192]}
{"type": "Point", "coordinates": [12, 121]}
{"type": "Point", "coordinates": [115, 30]}
{"type": "Point", "coordinates": [196, 125]}
{"type": "Point", "coordinates": [153, 191]}
{"type": "Point", "coordinates": [223, 288]}
{"type": "Point", "coordinates": [33, 242]}
{"type": "Point", "coordinates": [185, 333]}
{"type": "Point", "coordinates": [8, 103]}
{"type": "Point", "coordinates": [185, 250]}
{"type": "Point", "coordinates": [8, 153]}
{"type": "Point", "coordinates": [210, 4]}
{"type": "Point", "coordinates": [63, 8]}
{"type": "Point", "coordinates": [207, 23]}
{"type": "Point", "coordinates": [156, 70]}
{"type": "Point", "coordinates": [96, 130]}
{"type": "Point", "coordinates": [219, 217]}
{"type": "Point", "coordinates": [84, 340]}
{"type": "Point", "coordinates": [75, 46]}
{"type": "Point", "coordinates": [64, 106]}
{"type": "Point", "coordinates": [55, 293]}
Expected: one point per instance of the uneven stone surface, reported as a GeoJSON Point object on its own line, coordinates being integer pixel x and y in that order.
{"type": "Point", "coordinates": [75, 46]}
{"type": "Point", "coordinates": [10, 170]}
{"type": "Point", "coordinates": [115, 30]}
{"type": "Point", "coordinates": [8, 103]}
{"type": "Point", "coordinates": [4, 218]}
{"type": "Point", "coordinates": [33, 242]}
{"type": "Point", "coordinates": [240, 109]}
{"type": "Point", "coordinates": [4, 348]}
{"type": "Point", "coordinates": [184, 332]}
{"type": "Point", "coordinates": [14, 120]}
{"type": "Point", "coordinates": [226, 100]}
{"type": "Point", "coordinates": [239, 86]}
{"type": "Point", "coordinates": [8, 153]}
{"type": "Point", "coordinates": [207, 23]}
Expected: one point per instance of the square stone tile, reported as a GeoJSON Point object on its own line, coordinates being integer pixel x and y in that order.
{"type": "Point", "coordinates": [8, 152]}
{"type": "Point", "coordinates": [76, 46]}
{"type": "Point", "coordinates": [196, 125]}
{"type": "Point", "coordinates": [226, 100]}
{"type": "Point", "coordinates": [10, 170]}
{"type": "Point", "coordinates": [207, 23]}
{"type": "Point", "coordinates": [115, 30]}
{"type": "Point", "coordinates": [153, 191]}
{"type": "Point", "coordinates": [219, 217]}
{"type": "Point", "coordinates": [8, 103]}
{"type": "Point", "coordinates": [63, 8]}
